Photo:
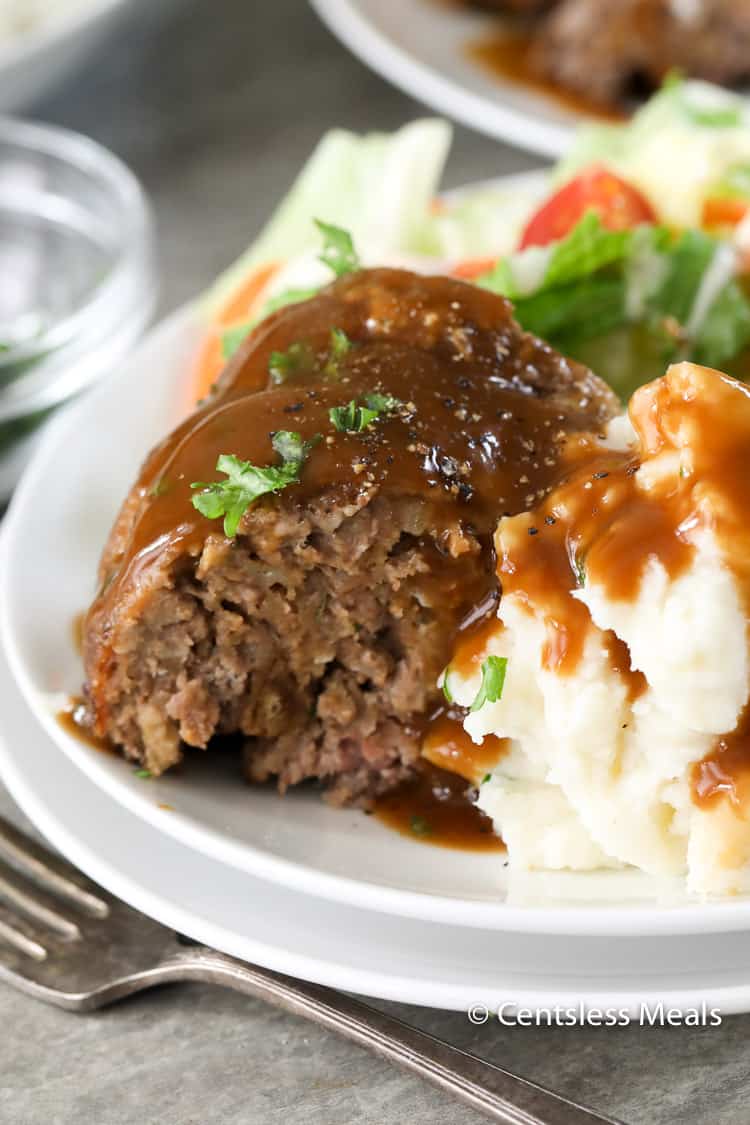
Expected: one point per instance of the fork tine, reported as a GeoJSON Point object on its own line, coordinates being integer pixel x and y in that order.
{"type": "Point", "coordinates": [21, 942]}
{"type": "Point", "coordinates": [16, 897]}
{"type": "Point", "coordinates": [34, 860]}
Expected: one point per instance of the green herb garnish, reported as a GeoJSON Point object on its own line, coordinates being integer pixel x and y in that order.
{"type": "Point", "coordinates": [420, 826]}
{"type": "Point", "coordinates": [338, 249]}
{"type": "Point", "coordinates": [354, 418]}
{"type": "Point", "coordinates": [487, 777]}
{"type": "Point", "coordinates": [384, 404]}
{"type": "Point", "coordinates": [446, 689]}
{"type": "Point", "coordinates": [351, 419]}
{"type": "Point", "coordinates": [290, 446]}
{"type": "Point", "coordinates": [145, 774]}
{"type": "Point", "coordinates": [338, 346]}
{"type": "Point", "coordinates": [283, 364]}
{"type": "Point", "coordinates": [246, 482]}
{"type": "Point", "coordinates": [340, 343]}
{"type": "Point", "coordinates": [493, 681]}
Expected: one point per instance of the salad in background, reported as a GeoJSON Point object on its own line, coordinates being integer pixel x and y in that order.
{"type": "Point", "coordinates": [634, 254]}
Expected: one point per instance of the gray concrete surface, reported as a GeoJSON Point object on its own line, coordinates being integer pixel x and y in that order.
{"type": "Point", "coordinates": [216, 104]}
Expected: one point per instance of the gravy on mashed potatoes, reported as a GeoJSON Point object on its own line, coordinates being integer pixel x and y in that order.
{"type": "Point", "coordinates": [622, 728]}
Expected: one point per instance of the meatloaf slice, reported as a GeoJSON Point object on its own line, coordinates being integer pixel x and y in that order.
{"type": "Point", "coordinates": [598, 49]}
{"type": "Point", "coordinates": [316, 633]}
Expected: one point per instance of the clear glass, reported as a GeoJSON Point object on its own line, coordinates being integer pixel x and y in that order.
{"type": "Point", "coordinates": [77, 276]}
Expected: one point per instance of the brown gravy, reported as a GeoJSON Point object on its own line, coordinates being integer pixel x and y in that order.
{"type": "Point", "coordinates": [476, 433]}
{"type": "Point", "coordinates": [509, 56]}
{"type": "Point", "coordinates": [468, 439]}
{"type": "Point", "coordinates": [448, 746]}
{"type": "Point", "coordinates": [599, 526]}
{"type": "Point", "coordinates": [76, 630]}
{"type": "Point", "coordinates": [436, 808]}
{"type": "Point", "coordinates": [72, 720]}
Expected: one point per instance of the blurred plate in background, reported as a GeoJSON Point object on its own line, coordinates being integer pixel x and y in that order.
{"type": "Point", "coordinates": [422, 46]}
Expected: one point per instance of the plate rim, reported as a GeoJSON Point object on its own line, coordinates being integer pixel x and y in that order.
{"type": "Point", "coordinates": [424, 991]}
{"type": "Point", "coordinates": [346, 20]}
{"type": "Point", "coordinates": [605, 919]}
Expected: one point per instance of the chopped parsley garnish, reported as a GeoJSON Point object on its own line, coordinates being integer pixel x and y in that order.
{"type": "Point", "coordinates": [353, 418]}
{"type": "Point", "coordinates": [338, 346]}
{"type": "Point", "coordinates": [384, 404]}
{"type": "Point", "coordinates": [246, 482]}
{"type": "Point", "coordinates": [487, 777]}
{"type": "Point", "coordinates": [145, 774]}
{"type": "Point", "coordinates": [338, 249]}
{"type": "Point", "coordinates": [493, 681]}
{"type": "Point", "coordinates": [420, 826]}
{"type": "Point", "coordinates": [283, 364]}
{"type": "Point", "coordinates": [290, 446]}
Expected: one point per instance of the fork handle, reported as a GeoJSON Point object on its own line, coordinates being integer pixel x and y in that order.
{"type": "Point", "coordinates": [497, 1093]}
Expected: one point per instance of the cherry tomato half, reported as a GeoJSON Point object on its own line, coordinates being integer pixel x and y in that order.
{"type": "Point", "coordinates": [618, 204]}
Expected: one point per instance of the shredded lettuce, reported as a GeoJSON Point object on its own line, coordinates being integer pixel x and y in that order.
{"type": "Point", "coordinates": [588, 248]}
{"type": "Point", "coordinates": [628, 302]}
{"type": "Point", "coordinates": [725, 331]}
{"type": "Point", "coordinates": [379, 187]}
{"type": "Point", "coordinates": [687, 262]}
{"type": "Point", "coordinates": [575, 312]}
{"type": "Point", "coordinates": [734, 183]}
{"type": "Point", "coordinates": [674, 148]}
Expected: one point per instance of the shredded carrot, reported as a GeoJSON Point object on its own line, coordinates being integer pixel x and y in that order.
{"type": "Point", "coordinates": [238, 309]}
{"type": "Point", "coordinates": [720, 212]}
{"type": "Point", "coordinates": [473, 268]}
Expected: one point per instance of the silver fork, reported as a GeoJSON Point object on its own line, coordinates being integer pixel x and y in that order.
{"type": "Point", "coordinates": [66, 941]}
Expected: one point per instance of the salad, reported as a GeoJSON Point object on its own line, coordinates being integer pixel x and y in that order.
{"type": "Point", "coordinates": [633, 253]}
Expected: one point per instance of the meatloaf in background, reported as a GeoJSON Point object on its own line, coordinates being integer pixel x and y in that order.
{"type": "Point", "coordinates": [317, 632]}
{"type": "Point", "coordinates": [600, 48]}
{"type": "Point", "coordinates": [513, 7]}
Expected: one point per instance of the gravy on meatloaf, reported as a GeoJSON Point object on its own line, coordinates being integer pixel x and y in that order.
{"type": "Point", "coordinates": [483, 418]}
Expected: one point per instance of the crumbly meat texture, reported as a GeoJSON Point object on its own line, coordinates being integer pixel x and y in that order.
{"type": "Point", "coordinates": [640, 41]}
{"type": "Point", "coordinates": [316, 634]}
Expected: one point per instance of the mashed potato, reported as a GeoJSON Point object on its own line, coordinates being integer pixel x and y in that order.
{"type": "Point", "coordinates": [623, 622]}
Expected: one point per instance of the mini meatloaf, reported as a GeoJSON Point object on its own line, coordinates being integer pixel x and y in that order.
{"type": "Point", "coordinates": [601, 49]}
{"type": "Point", "coordinates": [317, 632]}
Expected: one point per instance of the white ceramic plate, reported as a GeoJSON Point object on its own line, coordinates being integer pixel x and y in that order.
{"type": "Point", "coordinates": [421, 46]}
{"type": "Point", "coordinates": [32, 62]}
{"type": "Point", "coordinates": [336, 944]}
{"type": "Point", "coordinates": [53, 535]}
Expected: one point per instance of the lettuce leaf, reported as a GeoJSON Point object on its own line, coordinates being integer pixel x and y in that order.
{"type": "Point", "coordinates": [628, 302]}
{"type": "Point", "coordinates": [588, 248]}
{"type": "Point", "coordinates": [687, 261]}
{"type": "Point", "coordinates": [725, 330]}
{"type": "Point", "coordinates": [379, 187]}
{"type": "Point", "coordinates": [568, 314]}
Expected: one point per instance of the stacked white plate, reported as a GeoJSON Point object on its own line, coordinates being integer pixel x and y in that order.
{"type": "Point", "coordinates": [330, 895]}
